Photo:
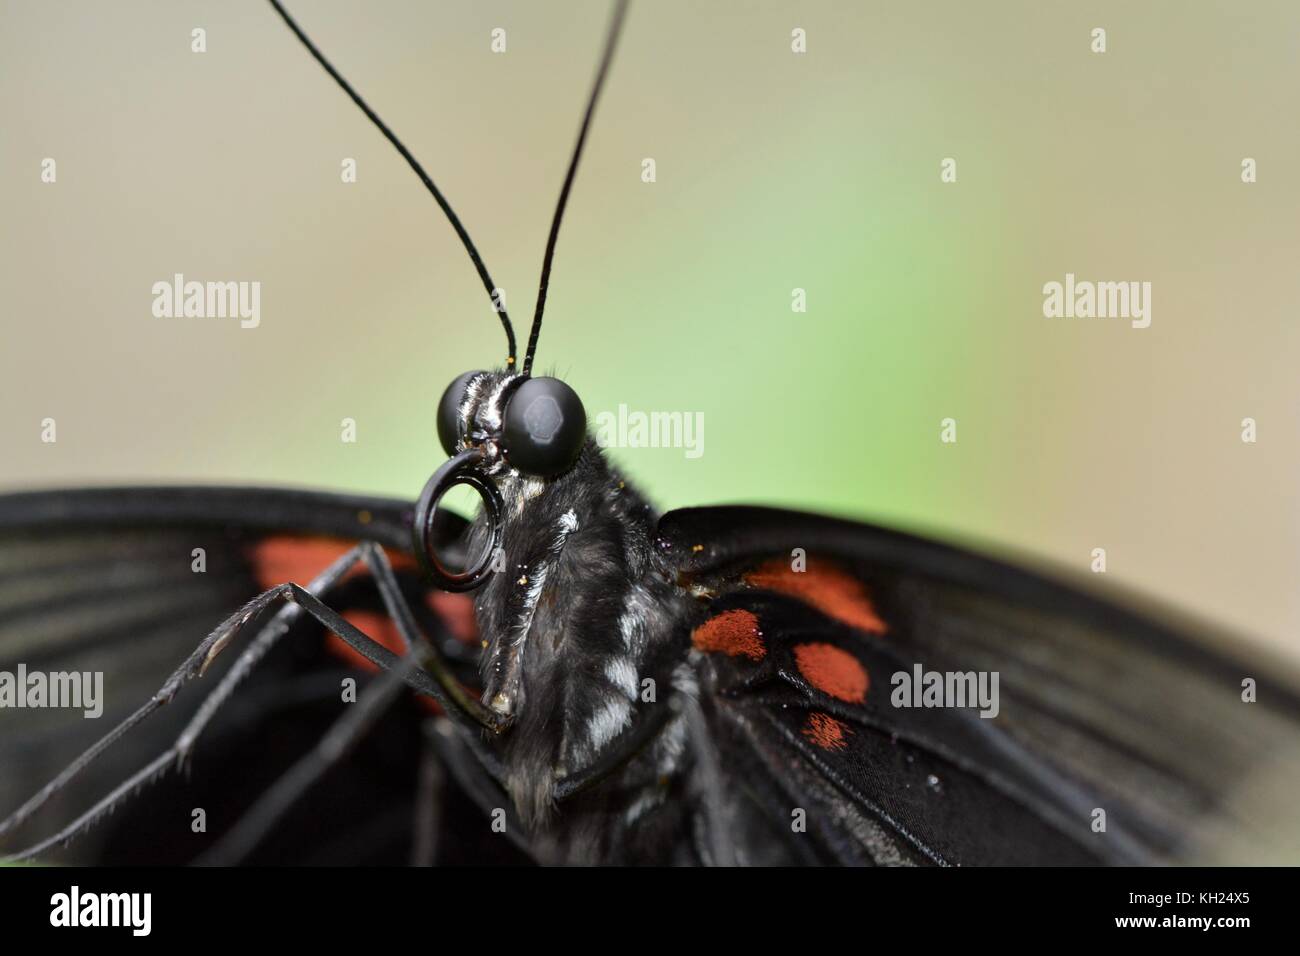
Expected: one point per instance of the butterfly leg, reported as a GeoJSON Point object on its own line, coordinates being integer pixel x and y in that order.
{"type": "Point", "coordinates": [428, 804]}
{"type": "Point", "coordinates": [475, 772]}
{"type": "Point", "coordinates": [455, 742]}
{"type": "Point", "coordinates": [441, 687]}
{"type": "Point", "coordinates": [447, 690]}
{"type": "Point", "coordinates": [349, 728]}
{"type": "Point", "coordinates": [191, 667]}
{"type": "Point", "coordinates": [337, 743]}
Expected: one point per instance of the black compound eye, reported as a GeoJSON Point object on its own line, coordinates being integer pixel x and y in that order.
{"type": "Point", "coordinates": [449, 412]}
{"type": "Point", "coordinates": [544, 427]}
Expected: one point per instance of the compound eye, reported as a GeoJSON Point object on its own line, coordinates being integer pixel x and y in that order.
{"type": "Point", "coordinates": [449, 412]}
{"type": "Point", "coordinates": [543, 427]}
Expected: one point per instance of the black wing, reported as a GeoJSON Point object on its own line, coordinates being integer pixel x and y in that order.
{"type": "Point", "coordinates": [104, 581]}
{"type": "Point", "coordinates": [1099, 708]}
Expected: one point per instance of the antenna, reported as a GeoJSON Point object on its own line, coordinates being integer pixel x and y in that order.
{"type": "Point", "coordinates": [424, 178]}
{"type": "Point", "coordinates": [611, 40]}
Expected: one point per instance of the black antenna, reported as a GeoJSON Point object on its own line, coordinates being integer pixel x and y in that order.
{"type": "Point", "coordinates": [611, 40]}
{"type": "Point", "coordinates": [419, 171]}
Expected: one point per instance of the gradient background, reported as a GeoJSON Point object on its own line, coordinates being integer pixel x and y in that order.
{"type": "Point", "coordinates": [774, 171]}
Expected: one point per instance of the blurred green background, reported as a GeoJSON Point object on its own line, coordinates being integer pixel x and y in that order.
{"type": "Point", "coordinates": [774, 171]}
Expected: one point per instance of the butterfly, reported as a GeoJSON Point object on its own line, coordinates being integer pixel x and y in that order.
{"type": "Point", "coordinates": [596, 682]}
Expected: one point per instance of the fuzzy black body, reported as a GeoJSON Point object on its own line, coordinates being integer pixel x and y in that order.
{"type": "Point", "coordinates": [581, 615]}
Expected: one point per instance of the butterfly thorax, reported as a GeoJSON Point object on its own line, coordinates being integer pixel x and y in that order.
{"type": "Point", "coordinates": [575, 623]}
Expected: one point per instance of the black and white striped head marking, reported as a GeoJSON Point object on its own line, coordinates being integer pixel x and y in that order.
{"type": "Point", "coordinates": [524, 426]}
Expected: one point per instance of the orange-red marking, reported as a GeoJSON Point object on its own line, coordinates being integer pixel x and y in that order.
{"type": "Point", "coordinates": [733, 633]}
{"type": "Point", "coordinates": [299, 558]}
{"type": "Point", "coordinates": [286, 558]}
{"type": "Point", "coordinates": [825, 731]}
{"type": "Point", "coordinates": [832, 670]}
{"type": "Point", "coordinates": [457, 612]}
{"type": "Point", "coordinates": [829, 589]}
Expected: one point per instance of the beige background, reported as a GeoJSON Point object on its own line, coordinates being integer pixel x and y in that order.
{"type": "Point", "coordinates": [775, 171]}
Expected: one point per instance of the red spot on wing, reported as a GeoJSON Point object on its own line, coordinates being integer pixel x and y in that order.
{"type": "Point", "coordinates": [280, 559]}
{"type": "Point", "coordinates": [832, 670]}
{"type": "Point", "coordinates": [457, 612]}
{"type": "Point", "coordinates": [733, 633]}
{"type": "Point", "coordinates": [829, 589]}
{"type": "Point", "coordinates": [299, 558]}
{"type": "Point", "coordinates": [825, 731]}
{"type": "Point", "coordinates": [296, 558]}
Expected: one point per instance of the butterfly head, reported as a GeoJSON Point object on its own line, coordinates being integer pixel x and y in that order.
{"type": "Point", "coordinates": [505, 430]}
{"type": "Point", "coordinates": [532, 427]}
{"type": "Point", "coordinates": [507, 434]}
